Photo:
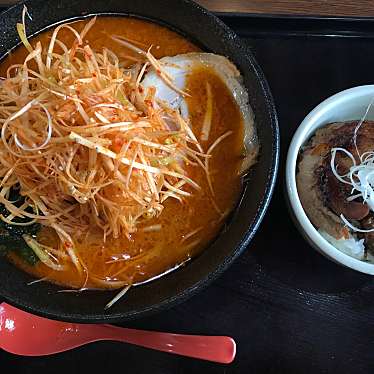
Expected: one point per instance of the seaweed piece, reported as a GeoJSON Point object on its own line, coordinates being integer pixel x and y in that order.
{"type": "Point", "coordinates": [4, 250]}
{"type": "Point", "coordinates": [27, 254]}
{"type": "Point", "coordinates": [17, 245]}
{"type": "Point", "coordinates": [11, 235]}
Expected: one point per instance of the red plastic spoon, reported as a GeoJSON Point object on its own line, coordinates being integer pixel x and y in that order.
{"type": "Point", "coordinates": [25, 334]}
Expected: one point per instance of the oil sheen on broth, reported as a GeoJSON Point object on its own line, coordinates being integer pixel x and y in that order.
{"type": "Point", "coordinates": [186, 227]}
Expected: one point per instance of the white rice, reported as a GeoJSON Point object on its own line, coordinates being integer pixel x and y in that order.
{"type": "Point", "coordinates": [352, 246]}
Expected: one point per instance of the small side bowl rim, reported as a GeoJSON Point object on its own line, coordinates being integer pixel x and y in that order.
{"type": "Point", "coordinates": [307, 127]}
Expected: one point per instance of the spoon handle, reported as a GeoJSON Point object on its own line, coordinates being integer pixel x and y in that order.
{"type": "Point", "coordinates": [220, 349]}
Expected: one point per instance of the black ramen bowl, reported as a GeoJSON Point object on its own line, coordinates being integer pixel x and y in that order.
{"type": "Point", "coordinates": [208, 32]}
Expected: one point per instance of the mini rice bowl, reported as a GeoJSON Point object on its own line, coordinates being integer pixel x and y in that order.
{"type": "Point", "coordinates": [344, 106]}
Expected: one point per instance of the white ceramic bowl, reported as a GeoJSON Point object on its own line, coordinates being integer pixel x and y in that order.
{"type": "Point", "coordinates": [347, 105]}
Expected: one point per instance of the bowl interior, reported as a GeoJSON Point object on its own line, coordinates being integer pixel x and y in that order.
{"type": "Point", "coordinates": [212, 35]}
{"type": "Point", "coordinates": [352, 104]}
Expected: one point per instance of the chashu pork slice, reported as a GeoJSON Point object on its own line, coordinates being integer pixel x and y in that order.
{"type": "Point", "coordinates": [179, 67]}
{"type": "Point", "coordinates": [309, 184]}
{"type": "Point", "coordinates": [322, 195]}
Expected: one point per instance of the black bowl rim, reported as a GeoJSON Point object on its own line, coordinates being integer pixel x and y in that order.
{"type": "Point", "coordinates": [257, 219]}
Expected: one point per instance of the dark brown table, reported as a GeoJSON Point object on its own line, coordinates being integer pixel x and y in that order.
{"type": "Point", "coordinates": [349, 8]}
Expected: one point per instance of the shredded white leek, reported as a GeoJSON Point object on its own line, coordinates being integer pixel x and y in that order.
{"type": "Point", "coordinates": [360, 177]}
{"type": "Point", "coordinates": [40, 253]}
{"type": "Point", "coordinates": [117, 297]}
{"type": "Point", "coordinates": [207, 124]}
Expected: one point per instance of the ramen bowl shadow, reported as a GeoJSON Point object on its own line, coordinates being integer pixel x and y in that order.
{"type": "Point", "coordinates": [208, 32]}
